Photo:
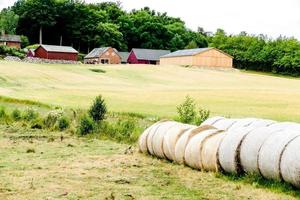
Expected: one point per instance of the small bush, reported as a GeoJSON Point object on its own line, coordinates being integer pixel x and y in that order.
{"type": "Point", "coordinates": [202, 116]}
{"type": "Point", "coordinates": [16, 115]}
{"type": "Point", "coordinates": [86, 125]}
{"type": "Point", "coordinates": [98, 110]}
{"type": "Point", "coordinates": [37, 124]}
{"type": "Point", "coordinates": [30, 150]}
{"type": "Point", "coordinates": [187, 110]}
{"type": "Point", "coordinates": [63, 123]}
{"type": "Point", "coordinates": [52, 117]}
{"type": "Point", "coordinates": [3, 114]}
{"type": "Point", "coordinates": [30, 115]}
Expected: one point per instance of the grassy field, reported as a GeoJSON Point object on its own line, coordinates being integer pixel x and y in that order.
{"type": "Point", "coordinates": [38, 164]}
{"type": "Point", "coordinates": [153, 90]}
{"type": "Point", "coordinates": [35, 164]}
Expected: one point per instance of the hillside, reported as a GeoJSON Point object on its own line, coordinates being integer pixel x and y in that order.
{"type": "Point", "coordinates": [153, 90]}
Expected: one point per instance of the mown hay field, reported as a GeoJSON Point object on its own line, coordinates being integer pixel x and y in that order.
{"type": "Point", "coordinates": [153, 90]}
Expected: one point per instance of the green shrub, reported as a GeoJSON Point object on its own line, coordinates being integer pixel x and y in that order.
{"type": "Point", "coordinates": [52, 118]}
{"type": "Point", "coordinates": [37, 124]}
{"type": "Point", "coordinates": [3, 114]}
{"type": "Point", "coordinates": [98, 110]}
{"type": "Point", "coordinates": [11, 51]}
{"type": "Point", "coordinates": [16, 115]}
{"type": "Point", "coordinates": [86, 125]}
{"type": "Point", "coordinates": [63, 123]}
{"type": "Point", "coordinates": [30, 115]}
{"type": "Point", "coordinates": [187, 110]}
{"type": "Point", "coordinates": [202, 116]}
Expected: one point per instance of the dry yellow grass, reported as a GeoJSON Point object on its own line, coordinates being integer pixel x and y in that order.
{"type": "Point", "coordinates": [155, 90]}
{"type": "Point", "coordinates": [80, 168]}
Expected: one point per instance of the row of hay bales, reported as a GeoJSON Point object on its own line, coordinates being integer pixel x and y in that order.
{"type": "Point", "coordinates": [236, 146]}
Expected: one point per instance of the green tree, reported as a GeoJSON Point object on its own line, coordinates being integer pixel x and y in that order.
{"type": "Point", "coordinates": [8, 21]}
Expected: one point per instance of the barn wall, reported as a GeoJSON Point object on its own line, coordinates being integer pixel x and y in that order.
{"type": "Point", "coordinates": [112, 56]}
{"type": "Point", "coordinates": [41, 53]}
{"type": "Point", "coordinates": [182, 60]}
{"type": "Point", "coordinates": [132, 59]}
{"type": "Point", "coordinates": [14, 44]}
{"type": "Point", "coordinates": [212, 58]}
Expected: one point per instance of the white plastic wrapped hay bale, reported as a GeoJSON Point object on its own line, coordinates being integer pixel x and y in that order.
{"type": "Point", "coordinates": [290, 163]}
{"type": "Point", "coordinates": [262, 123]}
{"type": "Point", "coordinates": [285, 125]}
{"type": "Point", "coordinates": [153, 131]}
{"type": "Point", "coordinates": [158, 137]}
{"type": "Point", "coordinates": [184, 139]}
{"type": "Point", "coordinates": [250, 147]}
{"type": "Point", "coordinates": [171, 138]}
{"type": "Point", "coordinates": [230, 147]}
{"type": "Point", "coordinates": [271, 151]}
{"type": "Point", "coordinates": [242, 123]}
{"type": "Point", "coordinates": [224, 124]}
{"type": "Point", "coordinates": [212, 120]}
{"type": "Point", "coordinates": [209, 152]}
{"type": "Point", "coordinates": [143, 138]}
{"type": "Point", "coordinates": [192, 154]}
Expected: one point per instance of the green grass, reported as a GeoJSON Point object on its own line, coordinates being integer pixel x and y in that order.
{"type": "Point", "coordinates": [36, 164]}
{"type": "Point", "coordinates": [152, 90]}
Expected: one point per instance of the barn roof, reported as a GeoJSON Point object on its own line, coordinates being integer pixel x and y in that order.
{"type": "Point", "coordinates": [191, 52]}
{"type": "Point", "coordinates": [10, 38]}
{"type": "Point", "coordinates": [58, 49]}
{"type": "Point", "coordinates": [124, 56]}
{"type": "Point", "coordinates": [95, 53]}
{"type": "Point", "coordinates": [149, 54]}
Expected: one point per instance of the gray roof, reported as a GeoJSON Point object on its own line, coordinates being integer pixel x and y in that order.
{"type": "Point", "coordinates": [60, 49]}
{"type": "Point", "coordinates": [186, 52]}
{"type": "Point", "coordinates": [124, 56]}
{"type": "Point", "coordinates": [95, 53]}
{"type": "Point", "coordinates": [149, 54]}
{"type": "Point", "coordinates": [10, 38]}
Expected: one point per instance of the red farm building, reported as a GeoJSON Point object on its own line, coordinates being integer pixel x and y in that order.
{"type": "Point", "coordinates": [53, 52]}
{"type": "Point", "coordinates": [146, 56]}
{"type": "Point", "coordinates": [10, 41]}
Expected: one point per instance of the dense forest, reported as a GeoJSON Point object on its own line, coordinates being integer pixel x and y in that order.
{"type": "Point", "coordinates": [85, 26]}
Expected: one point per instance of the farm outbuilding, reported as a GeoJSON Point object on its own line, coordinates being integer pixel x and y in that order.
{"type": "Point", "coordinates": [103, 55]}
{"type": "Point", "coordinates": [53, 52]}
{"type": "Point", "coordinates": [124, 57]}
{"type": "Point", "coordinates": [206, 57]}
{"type": "Point", "coordinates": [146, 56]}
{"type": "Point", "coordinates": [10, 40]}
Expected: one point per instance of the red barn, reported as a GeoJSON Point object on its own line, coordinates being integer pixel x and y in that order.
{"type": "Point", "coordinates": [53, 52]}
{"type": "Point", "coordinates": [146, 56]}
{"type": "Point", "coordinates": [10, 41]}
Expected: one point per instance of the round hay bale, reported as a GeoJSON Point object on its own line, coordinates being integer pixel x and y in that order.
{"type": "Point", "coordinates": [158, 137]}
{"type": "Point", "coordinates": [212, 120]}
{"type": "Point", "coordinates": [142, 142]}
{"type": "Point", "coordinates": [192, 154]}
{"type": "Point", "coordinates": [290, 163]}
{"type": "Point", "coordinates": [251, 144]}
{"type": "Point", "coordinates": [285, 125]}
{"type": "Point", "coordinates": [242, 123]}
{"type": "Point", "coordinates": [262, 123]}
{"type": "Point", "coordinates": [184, 139]}
{"type": "Point", "coordinates": [171, 138]}
{"type": "Point", "coordinates": [152, 132]}
{"type": "Point", "coordinates": [271, 151]}
{"type": "Point", "coordinates": [209, 152]}
{"type": "Point", "coordinates": [224, 124]}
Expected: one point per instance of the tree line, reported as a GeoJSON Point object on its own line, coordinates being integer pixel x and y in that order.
{"type": "Point", "coordinates": [86, 26]}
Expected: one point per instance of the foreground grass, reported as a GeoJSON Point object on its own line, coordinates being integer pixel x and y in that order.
{"type": "Point", "coordinates": [153, 90]}
{"type": "Point", "coordinates": [42, 165]}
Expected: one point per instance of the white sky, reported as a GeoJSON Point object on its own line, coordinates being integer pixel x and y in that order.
{"type": "Point", "coordinates": [271, 17]}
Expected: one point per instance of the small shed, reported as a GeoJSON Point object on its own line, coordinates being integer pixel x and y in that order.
{"type": "Point", "coordinates": [146, 56]}
{"type": "Point", "coordinates": [10, 41]}
{"type": "Point", "coordinates": [206, 57]}
{"type": "Point", "coordinates": [104, 55]}
{"type": "Point", "coordinates": [53, 52]}
{"type": "Point", "coordinates": [124, 56]}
